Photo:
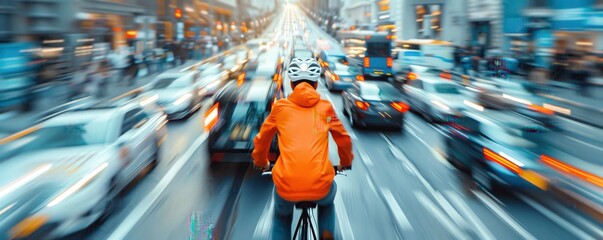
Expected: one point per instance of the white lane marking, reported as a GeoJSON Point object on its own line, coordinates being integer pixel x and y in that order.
{"type": "Point", "coordinates": [262, 230]}
{"type": "Point", "coordinates": [365, 158]}
{"type": "Point", "coordinates": [556, 218]}
{"type": "Point", "coordinates": [342, 218]}
{"type": "Point", "coordinates": [141, 209]}
{"type": "Point", "coordinates": [482, 230]}
{"type": "Point", "coordinates": [435, 211]}
{"type": "Point", "coordinates": [401, 219]}
{"type": "Point", "coordinates": [568, 213]}
{"type": "Point", "coordinates": [413, 126]}
{"type": "Point", "coordinates": [503, 216]}
{"type": "Point", "coordinates": [439, 198]}
{"type": "Point", "coordinates": [435, 153]}
{"type": "Point", "coordinates": [370, 182]}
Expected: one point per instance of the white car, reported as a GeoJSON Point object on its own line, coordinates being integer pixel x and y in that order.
{"type": "Point", "coordinates": [436, 98]}
{"type": "Point", "coordinates": [62, 175]}
{"type": "Point", "coordinates": [178, 93]}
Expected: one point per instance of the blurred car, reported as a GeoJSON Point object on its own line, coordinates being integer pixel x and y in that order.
{"type": "Point", "coordinates": [236, 116]}
{"type": "Point", "coordinates": [302, 53]}
{"type": "Point", "coordinates": [232, 65]}
{"type": "Point", "coordinates": [325, 57]}
{"type": "Point", "coordinates": [178, 93]}
{"type": "Point", "coordinates": [374, 103]}
{"type": "Point", "coordinates": [77, 162]}
{"type": "Point", "coordinates": [340, 77]}
{"type": "Point", "coordinates": [498, 149]}
{"type": "Point", "coordinates": [516, 97]}
{"type": "Point", "coordinates": [212, 77]}
{"type": "Point", "coordinates": [437, 99]}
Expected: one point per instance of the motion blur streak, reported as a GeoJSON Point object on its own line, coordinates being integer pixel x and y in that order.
{"type": "Point", "coordinates": [24, 179]}
{"type": "Point", "coordinates": [566, 168]}
{"type": "Point", "coordinates": [78, 185]}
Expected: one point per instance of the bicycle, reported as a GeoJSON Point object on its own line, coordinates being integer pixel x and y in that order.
{"type": "Point", "coordinates": [305, 220]}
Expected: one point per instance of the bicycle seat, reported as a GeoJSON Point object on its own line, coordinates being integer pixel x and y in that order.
{"type": "Point", "coordinates": [305, 205]}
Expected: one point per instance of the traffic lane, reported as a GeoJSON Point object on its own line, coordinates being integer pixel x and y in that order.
{"type": "Point", "coordinates": [531, 213]}
{"type": "Point", "coordinates": [360, 214]}
{"type": "Point", "coordinates": [179, 138]}
{"type": "Point", "coordinates": [453, 192]}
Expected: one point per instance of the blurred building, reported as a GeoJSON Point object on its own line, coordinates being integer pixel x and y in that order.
{"type": "Point", "coordinates": [431, 19]}
{"type": "Point", "coordinates": [486, 24]}
{"type": "Point", "coordinates": [357, 14]}
{"type": "Point", "coordinates": [542, 28]}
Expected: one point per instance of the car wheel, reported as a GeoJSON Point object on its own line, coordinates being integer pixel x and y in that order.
{"type": "Point", "coordinates": [353, 121]}
{"type": "Point", "coordinates": [484, 181]}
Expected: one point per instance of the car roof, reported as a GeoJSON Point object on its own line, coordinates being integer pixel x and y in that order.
{"type": "Point", "coordinates": [171, 74]}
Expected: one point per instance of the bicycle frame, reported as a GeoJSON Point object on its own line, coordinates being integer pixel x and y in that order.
{"type": "Point", "coordinates": [304, 222]}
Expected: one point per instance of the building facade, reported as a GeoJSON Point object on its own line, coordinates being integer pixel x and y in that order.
{"type": "Point", "coordinates": [432, 19]}
{"type": "Point", "coordinates": [486, 24]}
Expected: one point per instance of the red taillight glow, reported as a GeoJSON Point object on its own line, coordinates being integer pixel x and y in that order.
{"type": "Point", "coordinates": [542, 110]}
{"type": "Point", "coordinates": [240, 79]}
{"type": "Point", "coordinates": [367, 62]}
{"type": "Point", "coordinates": [359, 77]}
{"type": "Point", "coordinates": [446, 75]}
{"type": "Point", "coordinates": [362, 105]}
{"type": "Point", "coordinates": [400, 106]}
{"type": "Point", "coordinates": [566, 168]}
{"type": "Point", "coordinates": [389, 62]}
{"type": "Point", "coordinates": [412, 76]}
{"type": "Point", "coordinates": [494, 157]}
{"type": "Point", "coordinates": [211, 117]}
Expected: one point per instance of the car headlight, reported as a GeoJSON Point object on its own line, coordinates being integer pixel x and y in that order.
{"type": "Point", "coordinates": [78, 185]}
{"type": "Point", "coordinates": [182, 99]}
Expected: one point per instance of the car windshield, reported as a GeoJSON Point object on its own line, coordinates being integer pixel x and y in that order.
{"type": "Point", "coordinates": [82, 133]}
{"type": "Point", "coordinates": [344, 69]}
{"type": "Point", "coordinates": [171, 83]}
{"type": "Point", "coordinates": [379, 92]}
{"type": "Point", "coordinates": [446, 89]}
{"type": "Point", "coordinates": [506, 135]}
{"type": "Point", "coordinates": [303, 54]}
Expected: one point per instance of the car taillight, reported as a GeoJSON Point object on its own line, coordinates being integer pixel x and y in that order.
{"type": "Point", "coordinates": [540, 109]}
{"type": "Point", "coordinates": [505, 161]}
{"type": "Point", "coordinates": [389, 62]}
{"type": "Point", "coordinates": [359, 77]}
{"type": "Point", "coordinates": [569, 169]}
{"type": "Point", "coordinates": [367, 62]}
{"type": "Point", "coordinates": [400, 106]}
{"type": "Point", "coordinates": [362, 105]}
{"type": "Point", "coordinates": [446, 75]}
{"type": "Point", "coordinates": [412, 76]}
{"type": "Point", "coordinates": [240, 79]}
{"type": "Point", "coordinates": [335, 76]}
{"type": "Point", "coordinates": [211, 117]}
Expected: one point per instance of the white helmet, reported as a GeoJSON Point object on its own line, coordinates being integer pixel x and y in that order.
{"type": "Point", "coordinates": [304, 69]}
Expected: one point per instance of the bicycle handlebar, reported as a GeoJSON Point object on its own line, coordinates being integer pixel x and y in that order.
{"type": "Point", "coordinates": [269, 172]}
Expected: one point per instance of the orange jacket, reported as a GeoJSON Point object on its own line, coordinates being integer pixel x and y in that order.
{"type": "Point", "coordinates": [303, 121]}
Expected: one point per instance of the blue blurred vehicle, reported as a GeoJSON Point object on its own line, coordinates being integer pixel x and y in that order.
{"type": "Point", "coordinates": [16, 76]}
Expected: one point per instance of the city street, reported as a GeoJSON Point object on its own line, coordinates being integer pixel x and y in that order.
{"type": "Point", "coordinates": [161, 146]}
{"type": "Point", "coordinates": [401, 187]}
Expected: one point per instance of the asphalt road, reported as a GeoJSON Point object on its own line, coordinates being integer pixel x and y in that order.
{"type": "Point", "coordinates": [400, 187]}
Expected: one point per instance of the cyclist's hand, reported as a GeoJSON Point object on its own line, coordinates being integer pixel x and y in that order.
{"type": "Point", "coordinates": [264, 168]}
{"type": "Point", "coordinates": [341, 168]}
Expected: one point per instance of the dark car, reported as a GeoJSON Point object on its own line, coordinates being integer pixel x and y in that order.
{"type": "Point", "coordinates": [374, 104]}
{"type": "Point", "coordinates": [236, 117]}
{"type": "Point", "coordinates": [498, 149]}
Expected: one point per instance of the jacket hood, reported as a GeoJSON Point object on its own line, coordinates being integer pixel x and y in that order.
{"type": "Point", "coordinates": [304, 95]}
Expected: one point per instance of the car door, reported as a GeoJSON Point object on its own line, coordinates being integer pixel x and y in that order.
{"type": "Point", "coordinates": [136, 141]}
{"type": "Point", "coordinates": [413, 91]}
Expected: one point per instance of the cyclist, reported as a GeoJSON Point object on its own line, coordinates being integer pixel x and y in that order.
{"type": "Point", "coordinates": [303, 171]}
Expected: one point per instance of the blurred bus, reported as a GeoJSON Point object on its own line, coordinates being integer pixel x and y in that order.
{"type": "Point", "coordinates": [372, 48]}
{"type": "Point", "coordinates": [423, 52]}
